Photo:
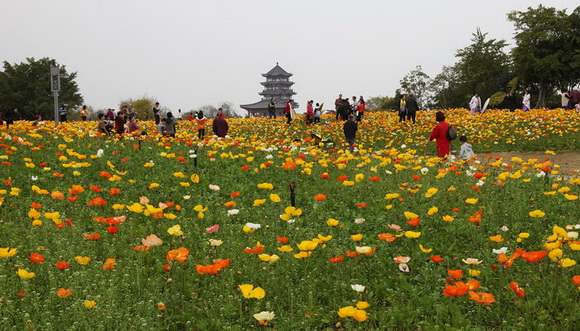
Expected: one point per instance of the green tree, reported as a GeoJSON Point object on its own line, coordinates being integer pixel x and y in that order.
{"type": "Point", "coordinates": [444, 88]}
{"type": "Point", "coordinates": [547, 52]}
{"type": "Point", "coordinates": [483, 67]}
{"type": "Point", "coordinates": [416, 82]}
{"type": "Point", "coordinates": [381, 103]}
{"type": "Point", "coordinates": [143, 106]}
{"type": "Point", "coordinates": [26, 86]}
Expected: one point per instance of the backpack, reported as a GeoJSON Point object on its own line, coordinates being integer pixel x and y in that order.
{"type": "Point", "coordinates": [451, 133]}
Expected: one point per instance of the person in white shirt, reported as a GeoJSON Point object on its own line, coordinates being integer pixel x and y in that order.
{"type": "Point", "coordinates": [527, 102]}
{"type": "Point", "coordinates": [474, 104]}
{"type": "Point", "coordinates": [466, 150]}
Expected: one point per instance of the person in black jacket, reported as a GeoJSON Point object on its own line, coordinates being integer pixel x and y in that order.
{"type": "Point", "coordinates": [350, 127]}
{"type": "Point", "coordinates": [511, 102]}
{"type": "Point", "coordinates": [412, 108]}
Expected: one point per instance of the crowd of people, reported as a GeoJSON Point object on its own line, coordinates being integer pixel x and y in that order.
{"type": "Point", "coordinates": [345, 108]}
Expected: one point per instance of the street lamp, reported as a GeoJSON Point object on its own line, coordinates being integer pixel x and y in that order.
{"type": "Point", "coordinates": [55, 87]}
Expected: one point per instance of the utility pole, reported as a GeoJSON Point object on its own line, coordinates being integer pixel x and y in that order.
{"type": "Point", "coordinates": [55, 87]}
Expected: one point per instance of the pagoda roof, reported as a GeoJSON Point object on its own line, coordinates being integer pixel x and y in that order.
{"type": "Point", "coordinates": [289, 83]}
{"type": "Point", "coordinates": [277, 71]}
{"type": "Point", "coordinates": [262, 104]}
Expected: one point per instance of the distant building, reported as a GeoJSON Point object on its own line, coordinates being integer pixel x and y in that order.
{"type": "Point", "coordinates": [277, 86]}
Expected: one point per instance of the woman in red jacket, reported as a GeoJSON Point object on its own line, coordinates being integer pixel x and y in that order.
{"type": "Point", "coordinates": [439, 133]}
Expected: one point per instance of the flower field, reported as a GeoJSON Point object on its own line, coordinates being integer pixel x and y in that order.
{"type": "Point", "coordinates": [161, 233]}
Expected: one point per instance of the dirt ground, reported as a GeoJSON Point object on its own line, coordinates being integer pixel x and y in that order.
{"type": "Point", "coordinates": [569, 162]}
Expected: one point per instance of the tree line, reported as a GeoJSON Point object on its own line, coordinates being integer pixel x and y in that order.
{"type": "Point", "coordinates": [544, 59]}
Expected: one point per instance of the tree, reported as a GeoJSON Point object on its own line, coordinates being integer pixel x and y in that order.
{"type": "Point", "coordinates": [444, 88]}
{"type": "Point", "coordinates": [143, 106]}
{"type": "Point", "coordinates": [381, 103]}
{"type": "Point", "coordinates": [26, 86]}
{"type": "Point", "coordinates": [416, 83]}
{"type": "Point", "coordinates": [483, 67]}
{"type": "Point", "coordinates": [547, 52]}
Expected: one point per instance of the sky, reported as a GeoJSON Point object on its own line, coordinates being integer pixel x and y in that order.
{"type": "Point", "coordinates": [191, 53]}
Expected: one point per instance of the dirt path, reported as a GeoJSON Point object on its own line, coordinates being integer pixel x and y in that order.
{"type": "Point", "coordinates": [569, 162]}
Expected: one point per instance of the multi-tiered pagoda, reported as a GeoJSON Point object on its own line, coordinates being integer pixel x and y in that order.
{"type": "Point", "coordinates": [277, 86]}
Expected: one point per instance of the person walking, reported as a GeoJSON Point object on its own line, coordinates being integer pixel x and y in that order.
{"type": "Point", "coordinates": [156, 113]}
{"type": "Point", "coordinates": [527, 101]}
{"type": "Point", "coordinates": [474, 104]}
{"type": "Point", "coordinates": [62, 113]}
{"type": "Point", "coordinates": [309, 112]}
{"type": "Point", "coordinates": [361, 109]}
{"type": "Point", "coordinates": [200, 121]}
{"type": "Point", "coordinates": [272, 108]}
{"type": "Point", "coordinates": [349, 128]}
{"type": "Point", "coordinates": [439, 133]}
{"type": "Point", "coordinates": [317, 113]}
{"type": "Point", "coordinates": [288, 111]}
{"type": "Point", "coordinates": [412, 108]}
{"type": "Point", "coordinates": [511, 102]}
{"type": "Point", "coordinates": [220, 126]}
{"type": "Point", "coordinates": [338, 105]}
{"type": "Point", "coordinates": [402, 108]}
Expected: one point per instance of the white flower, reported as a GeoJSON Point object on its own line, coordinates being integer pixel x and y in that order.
{"type": "Point", "coordinates": [270, 156]}
{"type": "Point", "coordinates": [100, 153]}
{"type": "Point", "coordinates": [358, 288]}
{"type": "Point", "coordinates": [214, 187]}
{"type": "Point", "coordinates": [468, 173]}
{"type": "Point", "coordinates": [424, 171]}
{"type": "Point", "coordinates": [215, 242]}
{"type": "Point", "coordinates": [505, 228]}
{"type": "Point", "coordinates": [403, 146]}
{"type": "Point", "coordinates": [573, 235]}
{"type": "Point", "coordinates": [264, 316]}
{"type": "Point", "coordinates": [480, 183]}
{"type": "Point", "coordinates": [499, 251]}
{"type": "Point", "coordinates": [389, 172]}
{"type": "Point", "coordinates": [403, 267]}
{"type": "Point", "coordinates": [186, 197]}
{"type": "Point", "coordinates": [34, 178]}
{"type": "Point", "coordinates": [471, 261]}
{"type": "Point", "coordinates": [192, 156]}
{"type": "Point", "coordinates": [540, 174]}
{"type": "Point", "coordinates": [253, 225]}
{"type": "Point", "coordinates": [291, 221]}
{"type": "Point", "coordinates": [359, 220]}
{"type": "Point", "coordinates": [233, 212]}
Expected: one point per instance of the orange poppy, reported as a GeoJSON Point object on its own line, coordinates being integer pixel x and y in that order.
{"type": "Point", "coordinates": [459, 289]}
{"type": "Point", "coordinates": [342, 178]}
{"type": "Point", "coordinates": [320, 197]}
{"type": "Point", "coordinates": [105, 174]}
{"type": "Point", "coordinates": [92, 236]}
{"type": "Point", "coordinates": [230, 204]}
{"type": "Point", "coordinates": [352, 254]}
{"type": "Point", "coordinates": [35, 205]}
{"type": "Point", "coordinates": [576, 280]}
{"type": "Point", "coordinates": [114, 191]}
{"type": "Point", "coordinates": [57, 195]}
{"type": "Point", "coordinates": [95, 188]}
{"type": "Point", "coordinates": [414, 221]}
{"type": "Point", "coordinates": [141, 248]}
{"type": "Point", "coordinates": [235, 194]}
{"type": "Point", "coordinates": [181, 254]}
{"type": "Point", "coordinates": [62, 265]}
{"type": "Point", "coordinates": [361, 205]}
{"type": "Point", "coordinates": [456, 274]}
{"type": "Point", "coordinates": [63, 292]}
{"type": "Point", "coordinates": [98, 201]}
{"type": "Point", "coordinates": [73, 198]}
{"type": "Point", "coordinates": [415, 177]}
{"type": "Point", "coordinates": [482, 297]}
{"type": "Point", "coordinates": [256, 250]}
{"type": "Point", "coordinates": [283, 240]}
{"type": "Point", "coordinates": [374, 178]}
{"type": "Point", "coordinates": [221, 264]}
{"type": "Point", "coordinates": [386, 236]}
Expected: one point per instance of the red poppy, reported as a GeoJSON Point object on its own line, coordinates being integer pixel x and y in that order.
{"type": "Point", "coordinates": [324, 175]}
{"type": "Point", "coordinates": [361, 205]}
{"type": "Point", "coordinates": [482, 297]}
{"type": "Point", "coordinates": [73, 198]}
{"type": "Point", "coordinates": [576, 280]}
{"type": "Point", "coordinates": [245, 167]}
{"type": "Point", "coordinates": [235, 194]}
{"type": "Point", "coordinates": [62, 265]}
{"type": "Point", "coordinates": [69, 222]}
{"type": "Point", "coordinates": [123, 160]}
{"type": "Point", "coordinates": [35, 205]}
{"type": "Point", "coordinates": [181, 159]}
{"type": "Point", "coordinates": [166, 268]}
{"type": "Point", "coordinates": [42, 164]}
{"type": "Point", "coordinates": [336, 259]}
{"type": "Point", "coordinates": [436, 258]}
{"type": "Point", "coordinates": [22, 294]}
{"type": "Point", "coordinates": [105, 174]}
{"type": "Point", "coordinates": [112, 229]}
{"type": "Point", "coordinates": [374, 178]}
{"type": "Point", "coordinates": [255, 250]}
{"type": "Point", "coordinates": [478, 175]}
{"type": "Point", "coordinates": [455, 209]}
{"type": "Point", "coordinates": [283, 240]}
{"type": "Point", "coordinates": [98, 201]}
{"type": "Point", "coordinates": [342, 178]}
{"type": "Point", "coordinates": [415, 177]}
{"type": "Point", "coordinates": [414, 221]}
{"type": "Point", "coordinates": [36, 258]}
{"type": "Point", "coordinates": [352, 254]}
{"type": "Point", "coordinates": [95, 188]}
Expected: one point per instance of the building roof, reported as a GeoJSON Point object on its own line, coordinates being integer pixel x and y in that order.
{"type": "Point", "coordinates": [277, 71]}
{"type": "Point", "coordinates": [263, 104]}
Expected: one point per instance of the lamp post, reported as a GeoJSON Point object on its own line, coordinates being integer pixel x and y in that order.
{"type": "Point", "coordinates": [55, 87]}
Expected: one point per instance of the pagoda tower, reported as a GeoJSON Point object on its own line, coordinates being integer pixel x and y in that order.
{"type": "Point", "coordinates": [277, 86]}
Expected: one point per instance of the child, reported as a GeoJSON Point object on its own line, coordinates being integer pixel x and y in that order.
{"type": "Point", "coordinates": [466, 151]}
{"type": "Point", "coordinates": [161, 127]}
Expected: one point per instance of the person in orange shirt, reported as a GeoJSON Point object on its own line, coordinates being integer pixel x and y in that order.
{"type": "Point", "coordinates": [200, 120]}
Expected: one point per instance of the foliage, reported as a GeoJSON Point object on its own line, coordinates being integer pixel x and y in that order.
{"type": "Point", "coordinates": [214, 199]}
{"type": "Point", "coordinates": [416, 82]}
{"type": "Point", "coordinates": [547, 52]}
{"type": "Point", "coordinates": [483, 67]}
{"type": "Point", "coordinates": [143, 106]}
{"type": "Point", "coordinates": [381, 103]}
{"type": "Point", "coordinates": [26, 86]}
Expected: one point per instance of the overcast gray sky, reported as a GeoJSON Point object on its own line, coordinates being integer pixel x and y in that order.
{"type": "Point", "coordinates": [189, 53]}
